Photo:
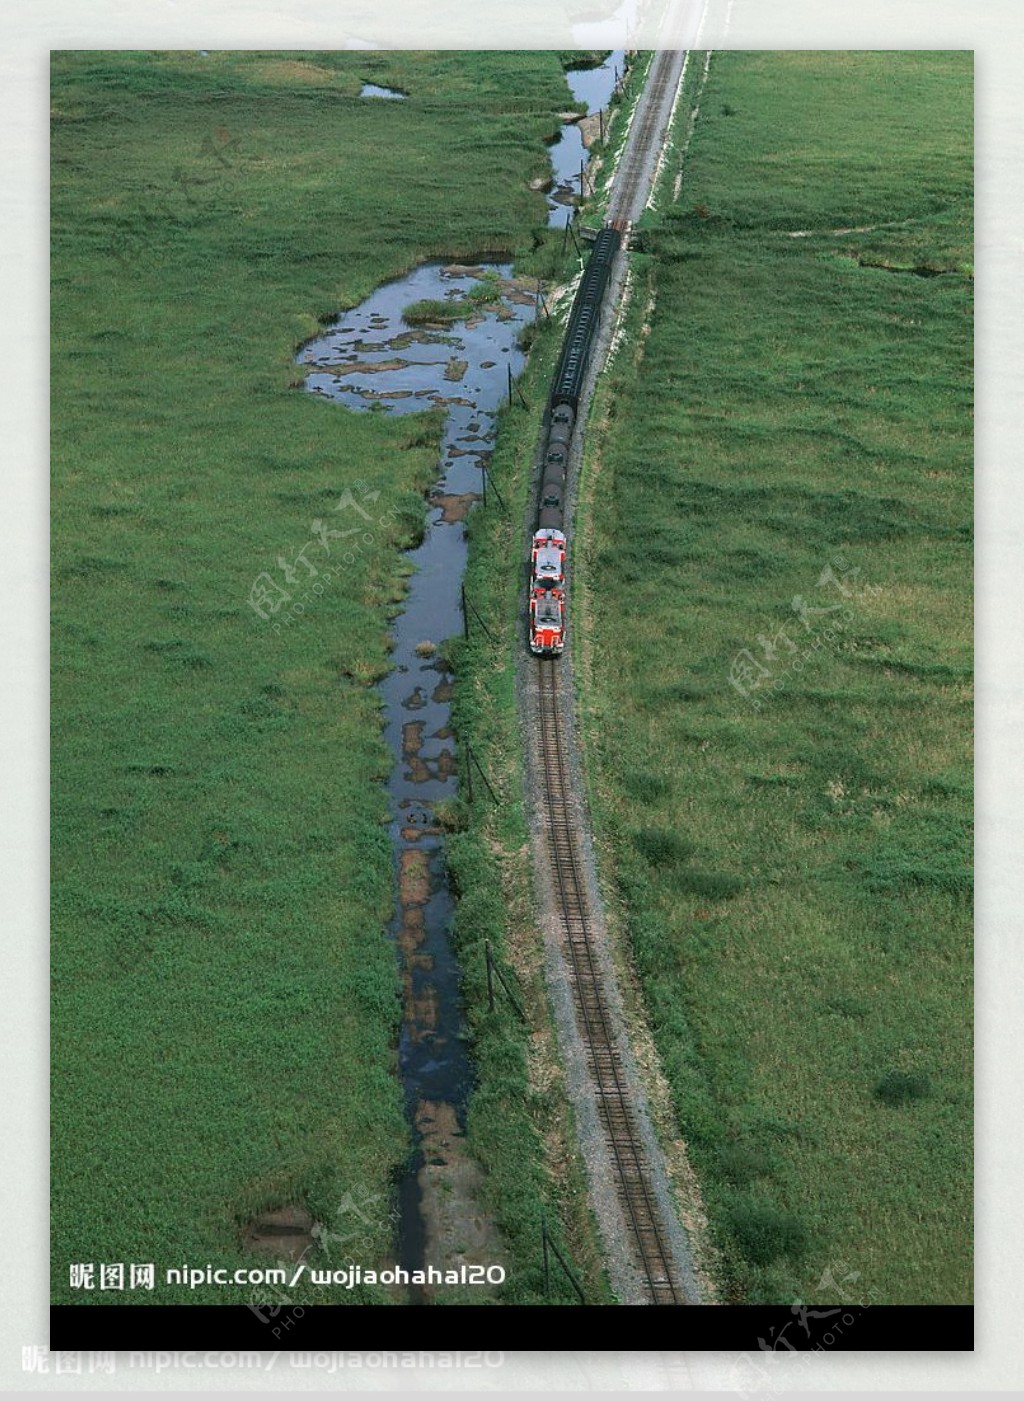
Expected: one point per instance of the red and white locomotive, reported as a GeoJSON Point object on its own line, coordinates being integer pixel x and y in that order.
{"type": "Point", "coordinates": [547, 620]}
{"type": "Point", "coordinates": [547, 561]}
{"type": "Point", "coordinates": [547, 593]}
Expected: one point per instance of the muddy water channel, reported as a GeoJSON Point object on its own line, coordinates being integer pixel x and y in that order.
{"type": "Point", "coordinates": [371, 358]}
{"type": "Point", "coordinates": [571, 149]}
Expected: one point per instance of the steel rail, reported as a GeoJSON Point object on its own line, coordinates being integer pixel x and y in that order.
{"type": "Point", "coordinates": [594, 1017]}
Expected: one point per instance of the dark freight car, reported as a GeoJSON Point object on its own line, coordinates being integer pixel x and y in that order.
{"type": "Point", "coordinates": [548, 601]}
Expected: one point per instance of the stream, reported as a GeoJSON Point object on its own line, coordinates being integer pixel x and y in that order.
{"type": "Point", "coordinates": [371, 359]}
{"type": "Point", "coordinates": [368, 358]}
{"type": "Point", "coordinates": [593, 86]}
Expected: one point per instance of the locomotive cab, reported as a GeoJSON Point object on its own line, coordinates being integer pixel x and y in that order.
{"type": "Point", "coordinates": [547, 621]}
{"type": "Point", "coordinates": [548, 558]}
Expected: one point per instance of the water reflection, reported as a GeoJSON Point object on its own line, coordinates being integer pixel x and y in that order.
{"type": "Point", "coordinates": [371, 359]}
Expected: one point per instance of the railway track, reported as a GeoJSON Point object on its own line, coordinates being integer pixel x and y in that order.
{"type": "Point", "coordinates": [641, 1232]}
{"type": "Point", "coordinates": [632, 182]}
{"type": "Point", "coordinates": [597, 1024]}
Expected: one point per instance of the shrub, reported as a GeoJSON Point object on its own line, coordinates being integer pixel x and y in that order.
{"type": "Point", "coordinates": [898, 1087]}
{"type": "Point", "coordinates": [763, 1233]}
{"type": "Point", "coordinates": [430, 311]}
{"type": "Point", "coordinates": [740, 1163]}
{"type": "Point", "coordinates": [661, 847]}
{"type": "Point", "coordinates": [645, 787]}
{"type": "Point", "coordinates": [709, 885]}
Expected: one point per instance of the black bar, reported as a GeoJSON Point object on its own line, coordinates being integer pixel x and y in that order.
{"type": "Point", "coordinates": [362, 1327]}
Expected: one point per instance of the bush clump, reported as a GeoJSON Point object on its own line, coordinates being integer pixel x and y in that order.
{"type": "Point", "coordinates": [661, 847]}
{"type": "Point", "coordinates": [709, 885]}
{"type": "Point", "coordinates": [739, 1163]}
{"type": "Point", "coordinates": [645, 787]}
{"type": "Point", "coordinates": [898, 1087]}
{"type": "Point", "coordinates": [433, 311]}
{"type": "Point", "coordinates": [763, 1233]}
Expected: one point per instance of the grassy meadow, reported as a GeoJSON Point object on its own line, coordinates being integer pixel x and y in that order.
{"type": "Point", "coordinates": [225, 1002]}
{"type": "Point", "coordinates": [773, 627]}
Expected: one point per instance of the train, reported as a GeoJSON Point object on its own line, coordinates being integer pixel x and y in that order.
{"type": "Point", "coordinates": [548, 619]}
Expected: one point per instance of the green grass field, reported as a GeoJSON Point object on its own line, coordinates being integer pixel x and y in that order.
{"type": "Point", "coordinates": [224, 999]}
{"type": "Point", "coordinates": [774, 612]}
{"type": "Point", "coordinates": [791, 864]}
